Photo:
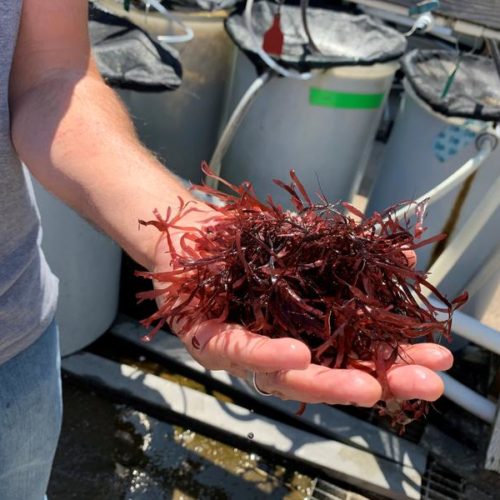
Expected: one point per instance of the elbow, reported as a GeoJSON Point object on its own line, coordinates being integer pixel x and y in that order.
{"type": "Point", "coordinates": [41, 122]}
{"type": "Point", "coordinates": [35, 120]}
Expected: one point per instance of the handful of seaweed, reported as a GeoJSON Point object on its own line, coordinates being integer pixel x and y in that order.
{"type": "Point", "coordinates": [344, 287]}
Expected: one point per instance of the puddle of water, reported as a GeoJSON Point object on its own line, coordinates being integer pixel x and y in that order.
{"type": "Point", "coordinates": [200, 467]}
{"type": "Point", "coordinates": [110, 451]}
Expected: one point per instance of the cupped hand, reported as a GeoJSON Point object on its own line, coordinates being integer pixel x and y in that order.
{"type": "Point", "coordinates": [283, 366]}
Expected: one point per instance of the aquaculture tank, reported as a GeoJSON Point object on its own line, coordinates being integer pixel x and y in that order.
{"type": "Point", "coordinates": [181, 128]}
{"type": "Point", "coordinates": [322, 117]}
{"type": "Point", "coordinates": [445, 123]}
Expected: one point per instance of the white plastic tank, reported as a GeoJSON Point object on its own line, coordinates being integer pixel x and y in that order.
{"type": "Point", "coordinates": [425, 147]}
{"type": "Point", "coordinates": [87, 264]}
{"type": "Point", "coordinates": [323, 128]}
{"type": "Point", "coordinates": [181, 127]}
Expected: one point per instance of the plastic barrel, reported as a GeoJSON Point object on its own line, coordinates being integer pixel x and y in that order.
{"type": "Point", "coordinates": [425, 147]}
{"type": "Point", "coordinates": [181, 127]}
{"type": "Point", "coordinates": [87, 264]}
{"type": "Point", "coordinates": [479, 303]}
{"type": "Point", "coordinates": [323, 128]}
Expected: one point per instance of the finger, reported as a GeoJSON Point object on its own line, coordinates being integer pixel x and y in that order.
{"type": "Point", "coordinates": [318, 384]}
{"type": "Point", "coordinates": [414, 382]}
{"type": "Point", "coordinates": [226, 347]}
{"type": "Point", "coordinates": [433, 356]}
{"type": "Point", "coordinates": [411, 258]}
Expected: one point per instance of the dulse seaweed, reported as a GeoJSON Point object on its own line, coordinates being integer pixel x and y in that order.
{"type": "Point", "coordinates": [343, 286]}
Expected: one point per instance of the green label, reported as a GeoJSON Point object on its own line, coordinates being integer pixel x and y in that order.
{"type": "Point", "coordinates": [347, 100]}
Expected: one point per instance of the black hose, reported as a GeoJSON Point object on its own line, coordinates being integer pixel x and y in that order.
{"type": "Point", "coordinates": [304, 5]}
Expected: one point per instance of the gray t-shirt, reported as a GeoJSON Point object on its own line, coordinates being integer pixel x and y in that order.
{"type": "Point", "coordinates": [28, 290]}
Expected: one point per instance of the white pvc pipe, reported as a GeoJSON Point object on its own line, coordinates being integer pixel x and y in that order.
{"type": "Point", "coordinates": [403, 20]}
{"type": "Point", "coordinates": [189, 34]}
{"type": "Point", "coordinates": [466, 235]}
{"type": "Point", "coordinates": [234, 122]}
{"type": "Point", "coordinates": [443, 188]}
{"type": "Point", "coordinates": [472, 329]}
{"type": "Point", "coordinates": [468, 399]}
{"type": "Point", "coordinates": [488, 269]}
{"type": "Point", "coordinates": [463, 27]}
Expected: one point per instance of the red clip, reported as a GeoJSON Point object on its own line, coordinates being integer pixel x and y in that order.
{"type": "Point", "coordinates": [273, 38]}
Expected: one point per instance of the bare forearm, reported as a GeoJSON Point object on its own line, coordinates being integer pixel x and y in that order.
{"type": "Point", "coordinates": [77, 139]}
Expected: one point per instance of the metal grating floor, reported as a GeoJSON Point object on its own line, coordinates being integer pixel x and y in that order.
{"type": "Point", "coordinates": [323, 490]}
{"type": "Point", "coordinates": [439, 483]}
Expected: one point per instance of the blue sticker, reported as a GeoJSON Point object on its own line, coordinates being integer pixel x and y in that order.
{"type": "Point", "coordinates": [451, 140]}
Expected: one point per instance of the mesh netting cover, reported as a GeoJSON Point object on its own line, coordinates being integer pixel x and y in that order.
{"type": "Point", "coordinates": [204, 5]}
{"type": "Point", "coordinates": [127, 57]}
{"type": "Point", "coordinates": [473, 92]}
{"type": "Point", "coordinates": [342, 38]}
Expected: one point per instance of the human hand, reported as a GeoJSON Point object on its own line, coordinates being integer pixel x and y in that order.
{"type": "Point", "coordinates": [283, 366]}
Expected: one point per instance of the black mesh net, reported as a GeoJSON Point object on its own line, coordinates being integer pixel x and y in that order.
{"type": "Point", "coordinates": [127, 57]}
{"type": "Point", "coordinates": [461, 85]}
{"type": "Point", "coordinates": [200, 5]}
{"type": "Point", "coordinates": [341, 38]}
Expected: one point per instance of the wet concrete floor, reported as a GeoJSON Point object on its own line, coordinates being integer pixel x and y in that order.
{"type": "Point", "coordinates": [109, 451]}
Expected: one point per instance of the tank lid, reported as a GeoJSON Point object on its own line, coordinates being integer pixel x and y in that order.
{"type": "Point", "coordinates": [127, 56]}
{"type": "Point", "coordinates": [200, 5]}
{"type": "Point", "coordinates": [455, 84]}
{"type": "Point", "coordinates": [340, 38]}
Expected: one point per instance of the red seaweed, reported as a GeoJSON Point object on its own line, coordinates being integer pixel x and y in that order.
{"type": "Point", "coordinates": [326, 274]}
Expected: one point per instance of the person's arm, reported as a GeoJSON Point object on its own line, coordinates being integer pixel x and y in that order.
{"type": "Point", "coordinates": [75, 135]}
{"type": "Point", "coordinates": [77, 139]}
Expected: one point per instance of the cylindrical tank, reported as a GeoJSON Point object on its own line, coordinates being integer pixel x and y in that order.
{"type": "Point", "coordinates": [479, 304]}
{"type": "Point", "coordinates": [323, 128]}
{"type": "Point", "coordinates": [87, 264]}
{"type": "Point", "coordinates": [181, 127]}
{"type": "Point", "coordinates": [425, 148]}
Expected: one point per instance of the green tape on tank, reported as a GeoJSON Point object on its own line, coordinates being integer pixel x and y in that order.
{"type": "Point", "coordinates": [345, 100]}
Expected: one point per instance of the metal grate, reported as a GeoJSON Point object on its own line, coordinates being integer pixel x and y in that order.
{"type": "Point", "coordinates": [323, 490]}
{"type": "Point", "coordinates": [440, 483]}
